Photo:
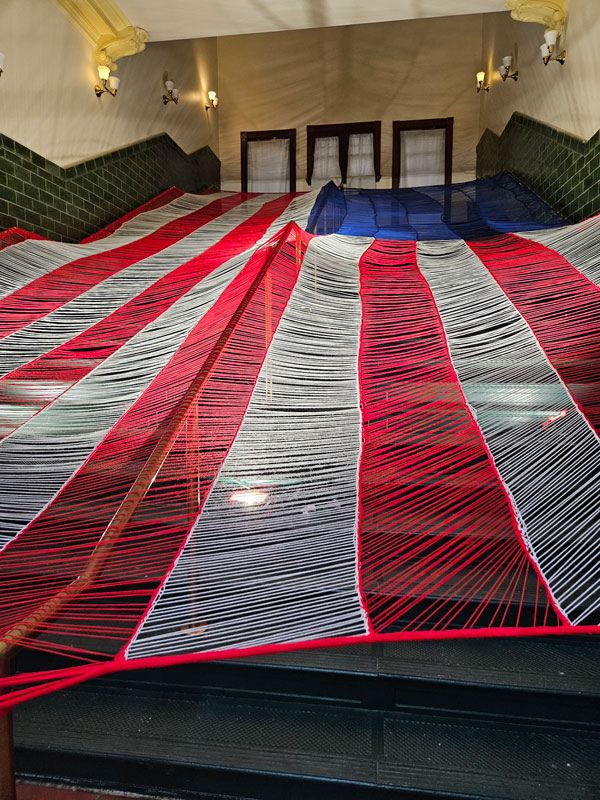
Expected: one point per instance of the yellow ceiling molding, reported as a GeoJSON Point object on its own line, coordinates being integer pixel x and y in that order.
{"type": "Point", "coordinates": [127, 42]}
{"type": "Point", "coordinates": [551, 13]}
{"type": "Point", "coordinates": [107, 28]}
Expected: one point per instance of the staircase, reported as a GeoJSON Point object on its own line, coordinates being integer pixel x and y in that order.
{"type": "Point", "coordinates": [517, 719]}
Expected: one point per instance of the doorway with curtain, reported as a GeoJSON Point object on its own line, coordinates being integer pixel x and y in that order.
{"type": "Point", "coordinates": [422, 152]}
{"type": "Point", "coordinates": [268, 160]}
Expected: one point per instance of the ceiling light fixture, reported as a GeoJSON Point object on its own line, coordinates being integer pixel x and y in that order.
{"type": "Point", "coordinates": [504, 69]}
{"type": "Point", "coordinates": [213, 100]}
{"type": "Point", "coordinates": [550, 45]}
{"type": "Point", "coordinates": [109, 84]}
{"type": "Point", "coordinates": [172, 95]}
{"type": "Point", "coordinates": [481, 84]}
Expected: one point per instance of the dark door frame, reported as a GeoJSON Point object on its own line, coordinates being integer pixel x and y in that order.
{"type": "Point", "coordinates": [261, 136]}
{"type": "Point", "coordinates": [343, 131]}
{"type": "Point", "coordinates": [444, 123]}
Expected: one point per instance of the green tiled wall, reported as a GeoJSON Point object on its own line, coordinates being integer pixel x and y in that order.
{"type": "Point", "coordinates": [69, 204]}
{"type": "Point", "coordinates": [562, 169]}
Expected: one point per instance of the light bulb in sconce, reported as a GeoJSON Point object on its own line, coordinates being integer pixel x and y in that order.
{"type": "Point", "coordinates": [547, 49]}
{"type": "Point", "coordinates": [481, 84]}
{"type": "Point", "coordinates": [109, 84]}
{"type": "Point", "coordinates": [504, 69]}
{"type": "Point", "coordinates": [172, 95]}
{"type": "Point", "coordinates": [212, 99]}
{"type": "Point", "coordinates": [2, 57]}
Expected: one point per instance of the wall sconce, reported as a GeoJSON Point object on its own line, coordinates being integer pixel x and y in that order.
{"type": "Point", "coordinates": [172, 95]}
{"type": "Point", "coordinates": [504, 70]}
{"type": "Point", "coordinates": [213, 100]}
{"type": "Point", "coordinates": [2, 57]}
{"type": "Point", "coordinates": [112, 87]}
{"type": "Point", "coordinates": [547, 49]}
{"type": "Point", "coordinates": [481, 84]}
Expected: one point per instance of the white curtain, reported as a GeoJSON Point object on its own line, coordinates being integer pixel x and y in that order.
{"type": "Point", "coordinates": [422, 157]}
{"type": "Point", "coordinates": [269, 165]}
{"type": "Point", "coordinates": [327, 161]}
{"type": "Point", "coordinates": [361, 167]}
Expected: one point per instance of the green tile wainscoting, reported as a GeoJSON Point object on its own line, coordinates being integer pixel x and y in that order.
{"type": "Point", "coordinates": [70, 203]}
{"type": "Point", "coordinates": [560, 168]}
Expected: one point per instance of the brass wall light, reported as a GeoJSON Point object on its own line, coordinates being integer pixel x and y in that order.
{"type": "Point", "coordinates": [213, 100]}
{"type": "Point", "coordinates": [109, 84]}
{"type": "Point", "coordinates": [172, 95]}
{"type": "Point", "coordinates": [481, 84]}
{"type": "Point", "coordinates": [2, 57]}
{"type": "Point", "coordinates": [548, 48]}
{"type": "Point", "coordinates": [505, 68]}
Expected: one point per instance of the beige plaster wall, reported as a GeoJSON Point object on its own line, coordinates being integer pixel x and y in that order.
{"type": "Point", "coordinates": [410, 69]}
{"type": "Point", "coordinates": [567, 97]}
{"type": "Point", "coordinates": [47, 100]}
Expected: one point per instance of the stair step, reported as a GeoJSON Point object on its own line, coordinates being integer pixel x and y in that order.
{"type": "Point", "coordinates": [546, 678]}
{"type": "Point", "coordinates": [556, 663]}
{"type": "Point", "coordinates": [191, 743]}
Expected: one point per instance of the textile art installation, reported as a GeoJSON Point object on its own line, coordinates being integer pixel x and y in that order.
{"type": "Point", "coordinates": [221, 435]}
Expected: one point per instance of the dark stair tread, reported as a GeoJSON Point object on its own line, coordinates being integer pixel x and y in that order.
{"type": "Point", "coordinates": [568, 665]}
{"type": "Point", "coordinates": [445, 754]}
{"type": "Point", "coordinates": [550, 663]}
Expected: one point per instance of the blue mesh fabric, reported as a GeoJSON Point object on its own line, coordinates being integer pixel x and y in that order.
{"type": "Point", "coordinates": [471, 210]}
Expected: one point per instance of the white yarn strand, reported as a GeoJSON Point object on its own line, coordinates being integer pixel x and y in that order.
{"type": "Point", "coordinates": [579, 244]}
{"type": "Point", "coordinates": [285, 571]}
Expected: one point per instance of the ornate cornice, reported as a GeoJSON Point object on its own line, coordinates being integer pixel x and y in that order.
{"type": "Point", "coordinates": [127, 42]}
{"type": "Point", "coordinates": [107, 28]}
{"type": "Point", "coordinates": [551, 13]}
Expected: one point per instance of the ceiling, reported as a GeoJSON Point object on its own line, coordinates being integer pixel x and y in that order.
{"type": "Point", "coordinates": [194, 19]}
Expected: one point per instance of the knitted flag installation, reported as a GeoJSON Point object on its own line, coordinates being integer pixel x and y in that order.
{"type": "Point", "coordinates": [221, 435]}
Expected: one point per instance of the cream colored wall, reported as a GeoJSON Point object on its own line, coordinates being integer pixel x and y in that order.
{"type": "Point", "coordinates": [47, 100]}
{"type": "Point", "coordinates": [411, 69]}
{"type": "Point", "coordinates": [567, 97]}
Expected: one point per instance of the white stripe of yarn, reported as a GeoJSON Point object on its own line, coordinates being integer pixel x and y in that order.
{"type": "Point", "coordinates": [107, 296]}
{"type": "Point", "coordinates": [298, 211]}
{"type": "Point", "coordinates": [32, 472]}
{"type": "Point", "coordinates": [545, 357]}
{"type": "Point", "coordinates": [452, 286]}
{"type": "Point", "coordinates": [291, 552]}
{"type": "Point", "coordinates": [579, 244]}
{"type": "Point", "coordinates": [25, 261]}
{"type": "Point", "coordinates": [179, 207]}
{"type": "Point", "coordinates": [473, 411]}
